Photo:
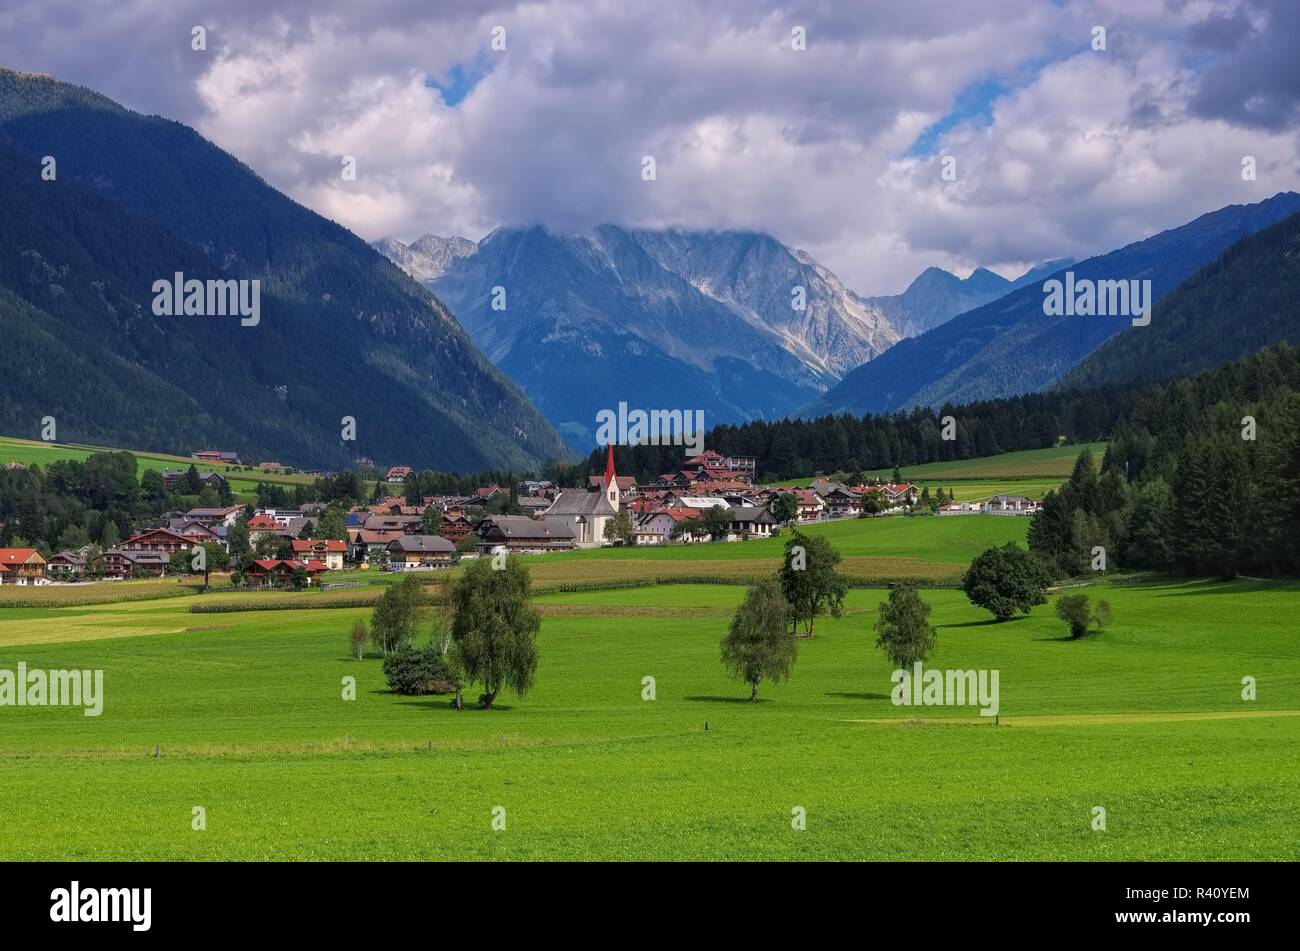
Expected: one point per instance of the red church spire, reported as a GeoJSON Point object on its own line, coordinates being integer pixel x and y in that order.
{"type": "Point", "coordinates": [609, 464]}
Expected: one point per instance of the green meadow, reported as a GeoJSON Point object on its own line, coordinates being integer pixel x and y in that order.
{"type": "Point", "coordinates": [1145, 720]}
{"type": "Point", "coordinates": [32, 452]}
{"type": "Point", "coordinates": [1030, 472]}
{"type": "Point", "coordinates": [1025, 465]}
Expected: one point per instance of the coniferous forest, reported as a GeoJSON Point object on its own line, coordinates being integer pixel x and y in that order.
{"type": "Point", "coordinates": [1184, 484]}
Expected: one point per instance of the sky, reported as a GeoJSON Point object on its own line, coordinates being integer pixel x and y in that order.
{"type": "Point", "coordinates": [1057, 147]}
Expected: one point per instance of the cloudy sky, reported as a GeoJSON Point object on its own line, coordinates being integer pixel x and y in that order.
{"type": "Point", "coordinates": [837, 148]}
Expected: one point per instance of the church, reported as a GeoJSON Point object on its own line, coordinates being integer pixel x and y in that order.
{"type": "Point", "coordinates": [588, 511]}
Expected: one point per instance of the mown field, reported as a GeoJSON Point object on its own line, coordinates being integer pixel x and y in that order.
{"type": "Point", "coordinates": [1027, 465]}
{"type": "Point", "coordinates": [1145, 720]}
{"type": "Point", "coordinates": [924, 548]}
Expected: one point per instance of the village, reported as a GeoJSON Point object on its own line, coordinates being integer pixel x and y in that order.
{"type": "Point", "coordinates": [712, 498]}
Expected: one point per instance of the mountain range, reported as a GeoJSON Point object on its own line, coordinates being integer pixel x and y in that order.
{"type": "Point", "coordinates": [1011, 346]}
{"type": "Point", "coordinates": [342, 332]}
{"type": "Point", "coordinates": [692, 319]}
{"type": "Point", "coordinates": [500, 353]}
{"type": "Point", "coordinates": [936, 296]}
{"type": "Point", "coordinates": [656, 319]}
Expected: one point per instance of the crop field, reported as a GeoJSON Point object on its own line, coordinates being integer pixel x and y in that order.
{"type": "Point", "coordinates": [245, 712]}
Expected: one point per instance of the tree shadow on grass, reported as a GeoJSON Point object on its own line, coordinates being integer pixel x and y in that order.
{"type": "Point", "coordinates": [859, 696]}
{"type": "Point", "coordinates": [441, 702]}
{"type": "Point", "coordinates": [724, 700]}
{"type": "Point", "coordinates": [986, 622]}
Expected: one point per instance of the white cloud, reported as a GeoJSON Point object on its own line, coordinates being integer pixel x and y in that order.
{"type": "Point", "coordinates": [1088, 151]}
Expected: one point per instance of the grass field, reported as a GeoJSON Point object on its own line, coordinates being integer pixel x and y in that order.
{"type": "Point", "coordinates": [31, 452]}
{"type": "Point", "coordinates": [1027, 465]}
{"type": "Point", "coordinates": [1145, 720]}
{"type": "Point", "coordinates": [1031, 473]}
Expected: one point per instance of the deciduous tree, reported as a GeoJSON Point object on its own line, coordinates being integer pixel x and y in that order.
{"type": "Point", "coordinates": [758, 646]}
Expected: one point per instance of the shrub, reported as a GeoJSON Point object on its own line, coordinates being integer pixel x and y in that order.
{"type": "Point", "coordinates": [1102, 614]}
{"type": "Point", "coordinates": [1073, 610]}
{"type": "Point", "coordinates": [420, 671]}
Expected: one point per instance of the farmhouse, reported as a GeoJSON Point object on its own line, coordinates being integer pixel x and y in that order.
{"type": "Point", "coordinates": [751, 521]}
{"type": "Point", "coordinates": [66, 566]}
{"type": "Point", "coordinates": [217, 455]}
{"type": "Point", "coordinates": [455, 527]}
{"type": "Point", "coordinates": [537, 487]}
{"type": "Point", "coordinates": [811, 505]}
{"type": "Point", "coordinates": [656, 527]}
{"type": "Point", "coordinates": [21, 566]}
{"type": "Point", "coordinates": [364, 544]}
{"type": "Point", "coordinates": [196, 533]}
{"type": "Point", "coordinates": [274, 572]}
{"type": "Point", "coordinates": [518, 534]}
{"type": "Point", "coordinates": [328, 551]}
{"type": "Point", "coordinates": [842, 502]}
{"type": "Point", "coordinates": [121, 563]}
{"type": "Point", "coordinates": [262, 526]}
{"type": "Point", "coordinates": [391, 523]}
{"type": "Point", "coordinates": [1009, 505]}
{"type": "Point", "coordinates": [420, 551]}
{"type": "Point", "coordinates": [226, 516]}
{"type": "Point", "coordinates": [896, 493]}
{"type": "Point", "coordinates": [156, 539]}
{"type": "Point", "coordinates": [712, 466]}
{"type": "Point", "coordinates": [397, 473]}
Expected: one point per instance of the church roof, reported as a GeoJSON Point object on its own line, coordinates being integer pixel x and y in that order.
{"type": "Point", "coordinates": [578, 502]}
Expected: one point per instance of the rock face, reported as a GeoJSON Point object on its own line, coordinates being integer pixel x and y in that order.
{"type": "Point", "coordinates": [936, 296]}
{"type": "Point", "coordinates": [657, 319]}
{"type": "Point", "coordinates": [426, 258]}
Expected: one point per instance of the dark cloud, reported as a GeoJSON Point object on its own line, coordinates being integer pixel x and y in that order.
{"type": "Point", "coordinates": [1255, 82]}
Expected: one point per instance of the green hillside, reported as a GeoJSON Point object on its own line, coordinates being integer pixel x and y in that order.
{"type": "Point", "coordinates": [31, 452]}
{"type": "Point", "coordinates": [342, 331]}
{"type": "Point", "coordinates": [1231, 308]}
